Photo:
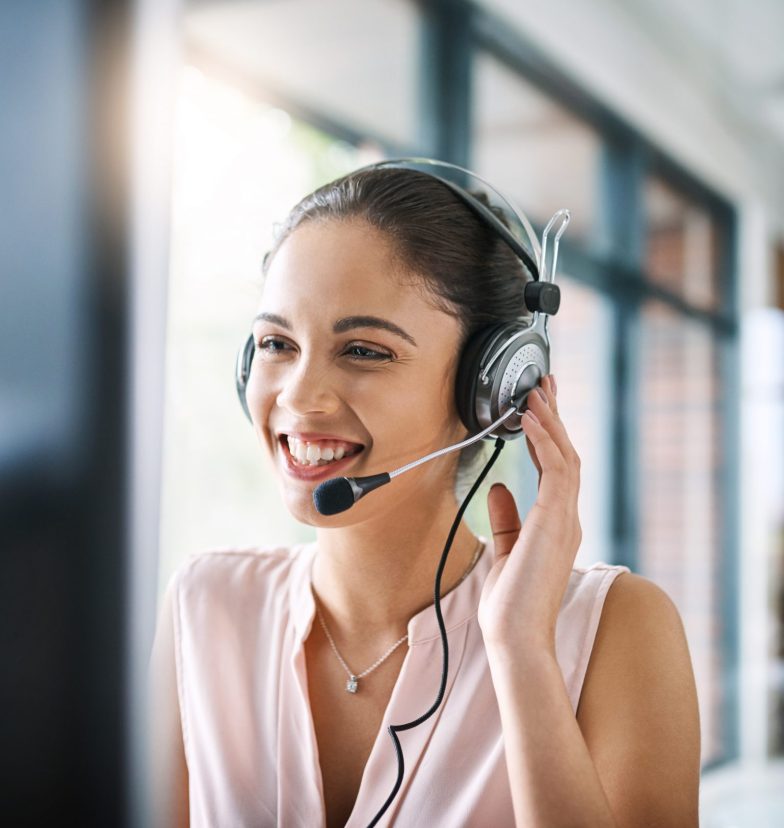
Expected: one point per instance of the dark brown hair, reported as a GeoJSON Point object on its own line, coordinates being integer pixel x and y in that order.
{"type": "Point", "coordinates": [464, 266]}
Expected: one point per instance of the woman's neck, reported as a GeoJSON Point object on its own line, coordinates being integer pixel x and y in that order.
{"type": "Point", "coordinates": [370, 578]}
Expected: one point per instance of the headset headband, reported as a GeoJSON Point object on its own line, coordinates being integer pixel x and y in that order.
{"type": "Point", "coordinates": [480, 209]}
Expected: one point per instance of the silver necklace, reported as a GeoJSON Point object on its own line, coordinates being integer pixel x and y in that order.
{"type": "Point", "coordinates": [352, 685]}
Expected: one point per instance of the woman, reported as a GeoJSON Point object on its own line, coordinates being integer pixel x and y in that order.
{"type": "Point", "coordinates": [570, 697]}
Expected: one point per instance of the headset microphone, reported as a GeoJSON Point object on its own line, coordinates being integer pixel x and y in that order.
{"type": "Point", "coordinates": [340, 493]}
{"type": "Point", "coordinates": [337, 495]}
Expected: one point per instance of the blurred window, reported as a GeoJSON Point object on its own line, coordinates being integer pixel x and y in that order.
{"type": "Point", "coordinates": [681, 245]}
{"type": "Point", "coordinates": [681, 522]}
{"type": "Point", "coordinates": [355, 63]}
{"type": "Point", "coordinates": [581, 333]}
{"type": "Point", "coordinates": [537, 151]}
{"type": "Point", "coordinates": [778, 276]}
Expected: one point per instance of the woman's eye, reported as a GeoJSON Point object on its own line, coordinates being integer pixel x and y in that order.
{"type": "Point", "coordinates": [362, 354]}
{"type": "Point", "coordinates": [270, 344]}
{"type": "Point", "coordinates": [358, 353]}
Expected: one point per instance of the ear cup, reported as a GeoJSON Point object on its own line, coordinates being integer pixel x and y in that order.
{"type": "Point", "coordinates": [242, 372]}
{"type": "Point", "coordinates": [520, 358]}
{"type": "Point", "coordinates": [469, 369]}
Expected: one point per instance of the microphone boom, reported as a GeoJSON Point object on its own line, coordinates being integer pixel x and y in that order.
{"type": "Point", "coordinates": [340, 493]}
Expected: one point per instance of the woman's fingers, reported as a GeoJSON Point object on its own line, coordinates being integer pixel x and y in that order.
{"type": "Point", "coordinates": [554, 449]}
{"type": "Point", "coordinates": [531, 450]}
{"type": "Point", "coordinates": [504, 519]}
{"type": "Point", "coordinates": [534, 458]}
{"type": "Point", "coordinates": [556, 461]}
{"type": "Point", "coordinates": [546, 412]}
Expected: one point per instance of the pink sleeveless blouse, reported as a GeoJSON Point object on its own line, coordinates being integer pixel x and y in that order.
{"type": "Point", "coordinates": [241, 617]}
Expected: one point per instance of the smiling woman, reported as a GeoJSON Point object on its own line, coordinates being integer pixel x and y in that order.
{"type": "Point", "coordinates": [372, 290]}
{"type": "Point", "coordinates": [466, 275]}
{"type": "Point", "coordinates": [365, 385]}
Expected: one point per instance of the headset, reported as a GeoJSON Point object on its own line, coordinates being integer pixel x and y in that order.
{"type": "Point", "coordinates": [499, 366]}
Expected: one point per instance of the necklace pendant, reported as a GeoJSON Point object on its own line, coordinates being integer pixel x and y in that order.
{"type": "Point", "coordinates": [351, 684]}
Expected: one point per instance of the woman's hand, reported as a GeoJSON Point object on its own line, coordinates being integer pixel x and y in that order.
{"type": "Point", "coordinates": [523, 592]}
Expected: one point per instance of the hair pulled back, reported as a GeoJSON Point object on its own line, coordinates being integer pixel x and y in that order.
{"type": "Point", "coordinates": [464, 266]}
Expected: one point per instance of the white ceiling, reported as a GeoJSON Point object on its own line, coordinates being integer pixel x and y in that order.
{"type": "Point", "coordinates": [703, 79]}
{"type": "Point", "coordinates": [737, 46]}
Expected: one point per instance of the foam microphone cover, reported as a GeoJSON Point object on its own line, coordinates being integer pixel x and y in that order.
{"type": "Point", "coordinates": [337, 495]}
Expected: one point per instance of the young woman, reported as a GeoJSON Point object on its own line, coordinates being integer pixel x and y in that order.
{"type": "Point", "coordinates": [570, 698]}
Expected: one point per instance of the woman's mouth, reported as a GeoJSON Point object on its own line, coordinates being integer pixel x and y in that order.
{"type": "Point", "coordinates": [312, 460]}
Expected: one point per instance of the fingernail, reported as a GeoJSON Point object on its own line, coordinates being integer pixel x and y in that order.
{"type": "Point", "coordinates": [497, 484]}
{"type": "Point", "coordinates": [532, 415]}
{"type": "Point", "coordinates": [554, 385]}
{"type": "Point", "coordinates": [541, 393]}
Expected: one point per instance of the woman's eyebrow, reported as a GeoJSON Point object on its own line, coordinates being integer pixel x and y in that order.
{"type": "Point", "coordinates": [347, 323]}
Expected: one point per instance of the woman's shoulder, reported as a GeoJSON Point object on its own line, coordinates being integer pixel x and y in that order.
{"type": "Point", "coordinates": [634, 597]}
{"type": "Point", "coordinates": [234, 570]}
{"type": "Point", "coordinates": [632, 615]}
{"type": "Point", "coordinates": [602, 582]}
{"type": "Point", "coordinates": [601, 601]}
{"type": "Point", "coordinates": [589, 585]}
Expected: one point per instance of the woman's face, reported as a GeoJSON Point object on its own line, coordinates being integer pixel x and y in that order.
{"type": "Point", "coordinates": [348, 356]}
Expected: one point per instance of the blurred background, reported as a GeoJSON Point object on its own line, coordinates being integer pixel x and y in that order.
{"type": "Point", "coordinates": [148, 148]}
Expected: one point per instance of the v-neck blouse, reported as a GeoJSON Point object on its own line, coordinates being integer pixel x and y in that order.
{"type": "Point", "coordinates": [241, 617]}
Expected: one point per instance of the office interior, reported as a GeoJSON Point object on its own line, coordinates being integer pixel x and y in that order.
{"type": "Point", "coordinates": [149, 149]}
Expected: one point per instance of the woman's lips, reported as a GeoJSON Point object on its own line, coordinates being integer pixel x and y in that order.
{"type": "Point", "coordinates": [312, 473]}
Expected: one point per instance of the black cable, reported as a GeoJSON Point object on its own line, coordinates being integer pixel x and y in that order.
{"type": "Point", "coordinates": [499, 444]}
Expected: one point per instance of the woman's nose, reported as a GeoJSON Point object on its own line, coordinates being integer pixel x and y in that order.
{"type": "Point", "coordinates": [307, 388]}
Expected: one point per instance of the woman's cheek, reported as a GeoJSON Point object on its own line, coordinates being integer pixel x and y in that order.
{"type": "Point", "coordinates": [255, 397]}
{"type": "Point", "coordinates": [260, 397]}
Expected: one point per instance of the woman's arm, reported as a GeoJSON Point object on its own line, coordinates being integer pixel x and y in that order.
{"type": "Point", "coordinates": [638, 709]}
{"type": "Point", "coordinates": [168, 771]}
{"type": "Point", "coordinates": [631, 757]}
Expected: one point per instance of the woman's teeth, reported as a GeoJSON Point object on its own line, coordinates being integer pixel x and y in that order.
{"type": "Point", "coordinates": [315, 454]}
